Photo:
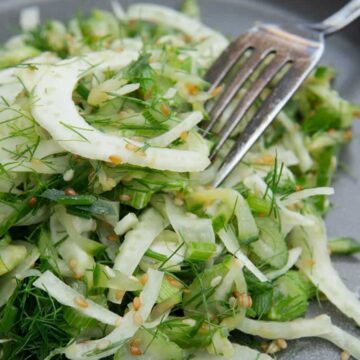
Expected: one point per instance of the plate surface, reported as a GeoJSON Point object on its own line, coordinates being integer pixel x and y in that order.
{"type": "Point", "coordinates": [342, 51]}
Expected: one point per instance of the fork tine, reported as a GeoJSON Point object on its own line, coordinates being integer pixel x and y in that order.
{"type": "Point", "coordinates": [227, 60]}
{"type": "Point", "coordinates": [263, 117]}
{"type": "Point", "coordinates": [248, 99]}
{"type": "Point", "coordinates": [241, 77]}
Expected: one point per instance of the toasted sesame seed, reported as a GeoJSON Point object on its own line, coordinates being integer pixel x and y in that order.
{"type": "Point", "coordinates": [132, 147]}
{"type": "Point", "coordinates": [119, 294]}
{"type": "Point", "coordinates": [112, 237]}
{"type": "Point", "coordinates": [192, 89]}
{"type": "Point", "coordinates": [244, 300]}
{"type": "Point", "coordinates": [216, 91]}
{"type": "Point", "coordinates": [32, 202]}
{"type": "Point", "coordinates": [281, 343]}
{"type": "Point", "coordinates": [144, 279]}
{"type": "Point", "coordinates": [81, 302]}
{"type": "Point", "coordinates": [136, 303]}
{"type": "Point", "coordinates": [265, 160]}
{"type": "Point", "coordinates": [165, 110]}
{"type": "Point", "coordinates": [70, 191]}
{"type": "Point", "coordinates": [135, 351]}
{"type": "Point", "coordinates": [174, 282]}
{"type": "Point", "coordinates": [344, 355]}
{"type": "Point", "coordinates": [184, 135]}
{"type": "Point", "coordinates": [115, 159]}
{"type": "Point", "coordinates": [272, 348]}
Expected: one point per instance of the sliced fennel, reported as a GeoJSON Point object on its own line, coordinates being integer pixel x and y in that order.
{"type": "Point", "coordinates": [74, 134]}
{"type": "Point", "coordinates": [240, 352]}
{"type": "Point", "coordinates": [231, 244]}
{"type": "Point", "coordinates": [189, 227]}
{"type": "Point", "coordinates": [8, 281]}
{"type": "Point", "coordinates": [138, 240]}
{"type": "Point", "coordinates": [303, 194]}
{"type": "Point", "coordinates": [211, 42]}
{"type": "Point", "coordinates": [70, 297]}
{"type": "Point", "coordinates": [294, 255]}
{"type": "Point", "coordinates": [127, 327]}
{"type": "Point", "coordinates": [186, 124]}
{"type": "Point", "coordinates": [316, 264]}
{"type": "Point", "coordinates": [126, 223]}
{"type": "Point", "coordinates": [320, 326]}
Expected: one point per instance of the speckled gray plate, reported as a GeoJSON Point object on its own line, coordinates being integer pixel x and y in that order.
{"type": "Point", "coordinates": [343, 52]}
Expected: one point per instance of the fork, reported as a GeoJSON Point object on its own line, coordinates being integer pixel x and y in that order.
{"type": "Point", "coordinates": [295, 50]}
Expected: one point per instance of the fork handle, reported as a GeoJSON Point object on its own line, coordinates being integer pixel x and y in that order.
{"type": "Point", "coordinates": [340, 19]}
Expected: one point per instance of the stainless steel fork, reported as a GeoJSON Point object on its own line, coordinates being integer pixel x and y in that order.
{"type": "Point", "coordinates": [295, 51]}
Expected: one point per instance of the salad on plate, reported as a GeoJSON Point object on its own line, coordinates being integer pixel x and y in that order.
{"type": "Point", "coordinates": [113, 242]}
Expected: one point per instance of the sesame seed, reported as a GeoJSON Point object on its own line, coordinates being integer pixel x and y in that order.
{"type": "Point", "coordinates": [112, 237]}
{"type": "Point", "coordinates": [192, 89]}
{"type": "Point", "coordinates": [81, 302]}
{"type": "Point", "coordinates": [174, 282]}
{"type": "Point", "coordinates": [265, 160]}
{"type": "Point", "coordinates": [184, 135]}
{"type": "Point", "coordinates": [164, 110]}
{"type": "Point", "coordinates": [144, 279]}
{"type": "Point", "coordinates": [32, 202]}
{"type": "Point", "coordinates": [344, 355]}
{"type": "Point", "coordinates": [216, 91]}
{"type": "Point", "coordinates": [132, 147]}
{"type": "Point", "coordinates": [115, 159]}
{"type": "Point", "coordinates": [136, 303]}
{"type": "Point", "coordinates": [272, 348]}
{"type": "Point", "coordinates": [134, 350]}
{"type": "Point", "coordinates": [119, 294]}
{"type": "Point", "coordinates": [281, 343]}
{"type": "Point", "coordinates": [70, 191]}
{"type": "Point", "coordinates": [244, 300]}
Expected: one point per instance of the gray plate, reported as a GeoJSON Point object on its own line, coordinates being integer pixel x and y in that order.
{"type": "Point", "coordinates": [343, 52]}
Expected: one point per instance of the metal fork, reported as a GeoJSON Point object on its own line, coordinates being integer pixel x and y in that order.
{"type": "Point", "coordinates": [299, 48]}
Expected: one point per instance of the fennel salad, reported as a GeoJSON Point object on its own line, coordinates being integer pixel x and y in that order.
{"type": "Point", "coordinates": [113, 245]}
